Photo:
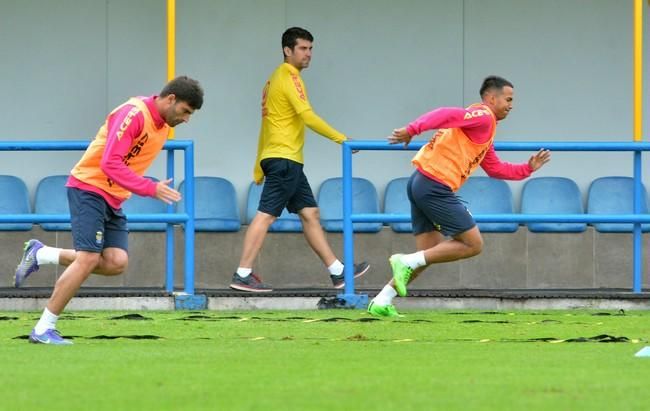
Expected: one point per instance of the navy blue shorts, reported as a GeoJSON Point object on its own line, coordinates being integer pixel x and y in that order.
{"type": "Point", "coordinates": [285, 185]}
{"type": "Point", "coordinates": [95, 224]}
{"type": "Point", "coordinates": [434, 207]}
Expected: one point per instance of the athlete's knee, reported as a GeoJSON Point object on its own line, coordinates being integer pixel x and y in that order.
{"type": "Point", "coordinates": [473, 242]}
{"type": "Point", "coordinates": [87, 260]}
{"type": "Point", "coordinates": [115, 262]}
{"type": "Point", "coordinates": [310, 215]}
{"type": "Point", "coordinates": [474, 247]}
{"type": "Point", "coordinates": [119, 265]}
{"type": "Point", "coordinates": [264, 219]}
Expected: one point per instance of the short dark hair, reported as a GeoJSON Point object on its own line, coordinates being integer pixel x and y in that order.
{"type": "Point", "coordinates": [185, 89]}
{"type": "Point", "coordinates": [494, 83]}
{"type": "Point", "coordinates": [291, 35]}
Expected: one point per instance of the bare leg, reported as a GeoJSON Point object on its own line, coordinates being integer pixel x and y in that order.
{"type": "Point", "coordinates": [464, 245]}
{"type": "Point", "coordinates": [115, 261]}
{"type": "Point", "coordinates": [112, 261]}
{"type": "Point", "coordinates": [71, 279]}
{"type": "Point", "coordinates": [254, 238]}
{"type": "Point", "coordinates": [315, 235]}
{"type": "Point", "coordinates": [424, 241]}
{"type": "Point", "coordinates": [438, 250]}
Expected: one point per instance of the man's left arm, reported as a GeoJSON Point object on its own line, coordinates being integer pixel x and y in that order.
{"type": "Point", "coordinates": [123, 128]}
{"type": "Point", "coordinates": [296, 93]}
{"type": "Point", "coordinates": [504, 170]}
{"type": "Point", "coordinates": [320, 126]}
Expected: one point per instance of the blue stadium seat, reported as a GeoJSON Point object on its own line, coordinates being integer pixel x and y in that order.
{"type": "Point", "coordinates": [364, 200]}
{"type": "Point", "coordinates": [215, 204]}
{"type": "Point", "coordinates": [14, 200]}
{"type": "Point", "coordinates": [396, 201]}
{"type": "Point", "coordinates": [614, 195]}
{"type": "Point", "coordinates": [144, 205]}
{"type": "Point", "coordinates": [51, 198]}
{"type": "Point", "coordinates": [552, 195]}
{"type": "Point", "coordinates": [485, 195]}
{"type": "Point", "coordinates": [287, 222]}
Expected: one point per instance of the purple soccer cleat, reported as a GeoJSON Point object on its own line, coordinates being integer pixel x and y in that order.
{"type": "Point", "coordinates": [28, 263]}
{"type": "Point", "coordinates": [51, 337]}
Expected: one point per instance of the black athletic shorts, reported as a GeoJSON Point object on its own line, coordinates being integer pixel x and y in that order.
{"type": "Point", "coordinates": [285, 185]}
{"type": "Point", "coordinates": [434, 207]}
{"type": "Point", "coordinates": [95, 224]}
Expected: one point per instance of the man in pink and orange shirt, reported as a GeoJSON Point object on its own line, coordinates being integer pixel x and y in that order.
{"type": "Point", "coordinates": [464, 141]}
{"type": "Point", "coordinates": [111, 168]}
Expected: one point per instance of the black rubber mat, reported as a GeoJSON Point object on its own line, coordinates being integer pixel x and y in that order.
{"type": "Point", "coordinates": [600, 293]}
{"type": "Point", "coordinates": [44, 292]}
{"type": "Point", "coordinates": [447, 293]}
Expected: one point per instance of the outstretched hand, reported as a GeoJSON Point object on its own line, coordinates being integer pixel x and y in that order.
{"type": "Point", "coordinates": [400, 135]}
{"type": "Point", "coordinates": [165, 193]}
{"type": "Point", "coordinates": [538, 159]}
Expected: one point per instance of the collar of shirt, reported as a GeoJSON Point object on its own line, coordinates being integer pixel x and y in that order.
{"type": "Point", "coordinates": [292, 69]}
{"type": "Point", "coordinates": [150, 101]}
{"type": "Point", "coordinates": [488, 109]}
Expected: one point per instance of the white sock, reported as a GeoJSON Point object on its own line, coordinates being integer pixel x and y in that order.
{"type": "Point", "coordinates": [336, 268]}
{"type": "Point", "coordinates": [48, 255]}
{"type": "Point", "coordinates": [47, 322]}
{"type": "Point", "coordinates": [386, 295]}
{"type": "Point", "coordinates": [415, 260]}
{"type": "Point", "coordinates": [244, 272]}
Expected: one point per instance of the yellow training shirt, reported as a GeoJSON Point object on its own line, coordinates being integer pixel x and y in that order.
{"type": "Point", "coordinates": [285, 112]}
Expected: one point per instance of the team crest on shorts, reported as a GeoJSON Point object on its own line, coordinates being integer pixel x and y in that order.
{"type": "Point", "coordinates": [99, 237]}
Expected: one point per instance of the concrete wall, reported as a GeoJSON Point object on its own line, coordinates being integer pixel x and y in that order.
{"type": "Point", "coordinates": [522, 260]}
{"type": "Point", "coordinates": [377, 64]}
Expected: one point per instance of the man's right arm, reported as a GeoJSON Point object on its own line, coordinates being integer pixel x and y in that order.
{"type": "Point", "coordinates": [475, 122]}
{"type": "Point", "coordinates": [449, 117]}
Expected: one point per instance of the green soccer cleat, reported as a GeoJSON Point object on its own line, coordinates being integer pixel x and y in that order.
{"type": "Point", "coordinates": [382, 310]}
{"type": "Point", "coordinates": [401, 273]}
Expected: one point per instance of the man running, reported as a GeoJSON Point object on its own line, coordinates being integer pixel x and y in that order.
{"type": "Point", "coordinates": [464, 141]}
{"type": "Point", "coordinates": [109, 171]}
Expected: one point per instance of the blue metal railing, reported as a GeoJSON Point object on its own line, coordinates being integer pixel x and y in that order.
{"type": "Point", "coordinates": [636, 218]}
{"type": "Point", "coordinates": [170, 217]}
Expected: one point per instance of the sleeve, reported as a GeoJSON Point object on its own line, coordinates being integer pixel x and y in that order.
{"type": "Point", "coordinates": [296, 93]}
{"type": "Point", "coordinates": [496, 168]}
{"type": "Point", "coordinates": [476, 122]}
{"type": "Point", "coordinates": [258, 173]}
{"type": "Point", "coordinates": [124, 126]}
{"type": "Point", "coordinates": [314, 122]}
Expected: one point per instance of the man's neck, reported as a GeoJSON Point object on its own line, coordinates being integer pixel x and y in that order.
{"type": "Point", "coordinates": [293, 65]}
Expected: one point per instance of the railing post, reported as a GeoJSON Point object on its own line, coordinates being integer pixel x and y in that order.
{"type": "Point", "coordinates": [348, 230]}
{"type": "Point", "coordinates": [637, 256]}
{"type": "Point", "coordinates": [169, 234]}
{"type": "Point", "coordinates": [351, 299]}
{"type": "Point", "coordinates": [189, 225]}
{"type": "Point", "coordinates": [80, 145]}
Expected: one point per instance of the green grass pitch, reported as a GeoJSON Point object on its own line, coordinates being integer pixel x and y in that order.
{"type": "Point", "coordinates": [329, 360]}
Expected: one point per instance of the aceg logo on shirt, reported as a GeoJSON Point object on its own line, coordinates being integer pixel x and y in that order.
{"type": "Point", "coordinates": [476, 113]}
{"type": "Point", "coordinates": [127, 120]}
{"type": "Point", "coordinates": [265, 94]}
{"type": "Point", "coordinates": [136, 149]}
{"type": "Point", "coordinates": [296, 82]}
